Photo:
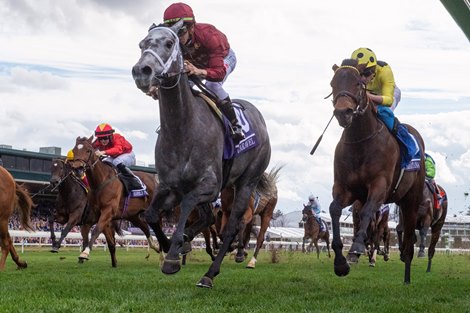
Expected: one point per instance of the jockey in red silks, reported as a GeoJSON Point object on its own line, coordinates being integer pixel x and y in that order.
{"type": "Point", "coordinates": [115, 149]}
{"type": "Point", "coordinates": [207, 54]}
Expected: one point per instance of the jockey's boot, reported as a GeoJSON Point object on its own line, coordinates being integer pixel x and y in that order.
{"type": "Point", "coordinates": [133, 182]}
{"type": "Point", "coordinates": [405, 139]}
{"type": "Point", "coordinates": [227, 109]}
{"type": "Point", "coordinates": [437, 195]}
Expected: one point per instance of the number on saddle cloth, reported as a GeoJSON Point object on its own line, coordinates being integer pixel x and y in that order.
{"type": "Point", "coordinates": [249, 142]}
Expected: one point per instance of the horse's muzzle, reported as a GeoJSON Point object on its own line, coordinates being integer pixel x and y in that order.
{"type": "Point", "coordinates": [344, 117]}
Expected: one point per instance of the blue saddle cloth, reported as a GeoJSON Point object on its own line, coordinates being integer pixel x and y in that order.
{"type": "Point", "coordinates": [251, 140]}
{"type": "Point", "coordinates": [409, 150]}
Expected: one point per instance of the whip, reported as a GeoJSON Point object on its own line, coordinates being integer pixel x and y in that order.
{"type": "Point", "coordinates": [321, 136]}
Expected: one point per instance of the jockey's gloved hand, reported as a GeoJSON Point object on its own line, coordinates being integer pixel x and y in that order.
{"type": "Point", "coordinates": [99, 153]}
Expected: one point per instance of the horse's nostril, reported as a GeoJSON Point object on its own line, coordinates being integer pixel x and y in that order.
{"type": "Point", "coordinates": [146, 70]}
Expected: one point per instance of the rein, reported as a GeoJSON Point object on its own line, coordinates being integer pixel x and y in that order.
{"type": "Point", "coordinates": [366, 138]}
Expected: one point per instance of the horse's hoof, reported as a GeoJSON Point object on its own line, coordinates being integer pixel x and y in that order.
{"type": "Point", "coordinates": [171, 266]}
{"type": "Point", "coordinates": [54, 250]}
{"type": "Point", "coordinates": [21, 265]}
{"type": "Point", "coordinates": [371, 264]}
{"type": "Point", "coordinates": [240, 257]}
{"type": "Point", "coordinates": [342, 269]}
{"type": "Point", "coordinates": [204, 282]}
{"type": "Point", "coordinates": [83, 256]}
{"type": "Point", "coordinates": [80, 261]}
{"type": "Point", "coordinates": [421, 254]}
{"type": "Point", "coordinates": [352, 258]}
{"type": "Point", "coordinates": [252, 263]}
{"type": "Point", "coordinates": [386, 257]}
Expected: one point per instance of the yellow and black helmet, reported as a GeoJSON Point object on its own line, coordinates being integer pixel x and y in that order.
{"type": "Point", "coordinates": [365, 56]}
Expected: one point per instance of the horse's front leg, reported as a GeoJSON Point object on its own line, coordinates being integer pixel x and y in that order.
{"type": "Point", "coordinates": [240, 204]}
{"type": "Point", "coordinates": [162, 200]}
{"type": "Point", "coordinates": [171, 264]}
{"type": "Point", "coordinates": [341, 267]}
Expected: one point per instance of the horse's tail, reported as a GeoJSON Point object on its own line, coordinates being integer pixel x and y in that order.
{"type": "Point", "coordinates": [267, 183]}
{"type": "Point", "coordinates": [24, 203]}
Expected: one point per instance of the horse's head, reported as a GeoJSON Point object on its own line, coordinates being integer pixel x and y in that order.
{"type": "Point", "coordinates": [306, 213]}
{"type": "Point", "coordinates": [349, 92]}
{"type": "Point", "coordinates": [83, 154]}
{"type": "Point", "coordinates": [161, 61]}
{"type": "Point", "coordinates": [58, 171]}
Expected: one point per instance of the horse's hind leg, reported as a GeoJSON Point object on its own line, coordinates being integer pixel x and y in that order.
{"type": "Point", "coordinates": [138, 222]}
{"type": "Point", "coordinates": [432, 246]}
{"type": "Point", "coordinates": [14, 255]}
{"type": "Point", "coordinates": [108, 232]}
{"type": "Point", "coordinates": [422, 241]}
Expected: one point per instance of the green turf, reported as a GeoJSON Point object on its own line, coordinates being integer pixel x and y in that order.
{"type": "Point", "coordinates": [297, 283]}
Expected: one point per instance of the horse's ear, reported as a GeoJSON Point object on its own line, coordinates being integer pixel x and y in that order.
{"type": "Point", "coordinates": [90, 139]}
{"type": "Point", "coordinates": [177, 26]}
{"type": "Point", "coordinates": [335, 67]}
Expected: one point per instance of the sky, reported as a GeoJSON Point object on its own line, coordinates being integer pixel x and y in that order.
{"type": "Point", "coordinates": [65, 67]}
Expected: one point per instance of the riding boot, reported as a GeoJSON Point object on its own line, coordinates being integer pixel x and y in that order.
{"type": "Point", "coordinates": [410, 147]}
{"type": "Point", "coordinates": [227, 109]}
{"type": "Point", "coordinates": [133, 182]}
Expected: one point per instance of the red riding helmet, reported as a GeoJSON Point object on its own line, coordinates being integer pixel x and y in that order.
{"type": "Point", "coordinates": [103, 130]}
{"type": "Point", "coordinates": [178, 11]}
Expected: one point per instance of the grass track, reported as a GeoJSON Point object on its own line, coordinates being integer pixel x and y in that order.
{"type": "Point", "coordinates": [298, 283]}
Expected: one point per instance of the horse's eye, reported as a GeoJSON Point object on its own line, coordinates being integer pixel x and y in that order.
{"type": "Point", "coordinates": [169, 44]}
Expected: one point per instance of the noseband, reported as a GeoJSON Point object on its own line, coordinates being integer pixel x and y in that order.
{"type": "Point", "coordinates": [361, 103]}
{"type": "Point", "coordinates": [165, 74]}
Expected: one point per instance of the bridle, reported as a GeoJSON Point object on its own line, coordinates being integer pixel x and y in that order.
{"type": "Point", "coordinates": [360, 98]}
{"type": "Point", "coordinates": [174, 56]}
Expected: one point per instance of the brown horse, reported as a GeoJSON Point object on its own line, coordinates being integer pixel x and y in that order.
{"type": "Point", "coordinates": [378, 231]}
{"type": "Point", "coordinates": [12, 196]}
{"type": "Point", "coordinates": [312, 232]}
{"type": "Point", "coordinates": [367, 168]}
{"type": "Point", "coordinates": [107, 196]}
{"type": "Point", "coordinates": [71, 209]}
{"type": "Point", "coordinates": [267, 192]}
{"type": "Point", "coordinates": [428, 217]}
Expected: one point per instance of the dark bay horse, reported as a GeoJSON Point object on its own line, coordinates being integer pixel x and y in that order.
{"type": "Point", "coordinates": [367, 168]}
{"type": "Point", "coordinates": [71, 203]}
{"type": "Point", "coordinates": [190, 146]}
{"type": "Point", "coordinates": [312, 232]}
{"type": "Point", "coordinates": [107, 197]}
{"type": "Point", "coordinates": [262, 203]}
{"type": "Point", "coordinates": [12, 196]}
{"type": "Point", "coordinates": [378, 231]}
{"type": "Point", "coordinates": [428, 217]}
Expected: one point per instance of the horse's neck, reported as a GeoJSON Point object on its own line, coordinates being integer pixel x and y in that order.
{"type": "Point", "coordinates": [98, 173]}
{"type": "Point", "coordinates": [177, 108]}
{"type": "Point", "coordinates": [362, 127]}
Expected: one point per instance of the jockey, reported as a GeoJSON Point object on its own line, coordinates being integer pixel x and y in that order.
{"type": "Point", "coordinates": [118, 151]}
{"type": "Point", "coordinates": [430, 167]}
{"type": "Point", "coordinates": [208, 55]}
{"type": "Point", "coordinates": [314, 205]}
{"type": "Point", "coordinates": [382, 90]}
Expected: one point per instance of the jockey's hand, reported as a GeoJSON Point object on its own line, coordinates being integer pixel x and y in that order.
{"type": "Point", "coordinates": [153, 92]}
{"type": "Point", "coordinates": [99, 153]}
{"type": "Point", "coordinates": [193, 70]}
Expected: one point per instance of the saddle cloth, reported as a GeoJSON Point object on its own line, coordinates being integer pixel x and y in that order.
{"type": "Point", "coordinates": [230, 149]}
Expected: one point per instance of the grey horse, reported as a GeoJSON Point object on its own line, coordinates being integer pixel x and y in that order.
{"type": "Point", "coordinates": [189, 149]}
